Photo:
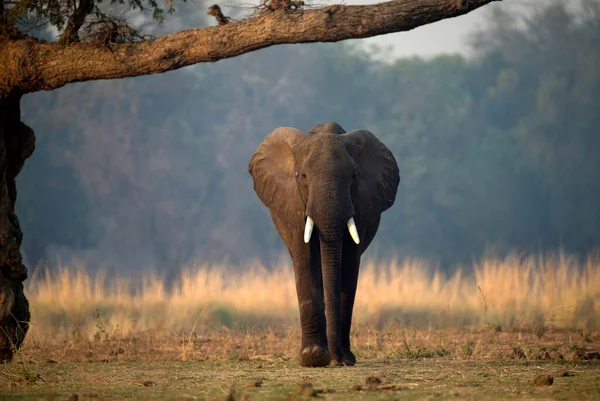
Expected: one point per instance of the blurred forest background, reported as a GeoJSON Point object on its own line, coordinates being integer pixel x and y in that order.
{"type": "Point", "coordinates": [499, 152]}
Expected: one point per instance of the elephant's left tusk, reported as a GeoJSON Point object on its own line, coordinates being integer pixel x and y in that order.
{"type": "Point", "coordinates": [308, 229]}
{"type": "Point", "coordinates": [353, 230]}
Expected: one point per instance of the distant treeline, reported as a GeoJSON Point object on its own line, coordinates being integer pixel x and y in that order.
{"type": "Point", "coordinates": [497, 152]}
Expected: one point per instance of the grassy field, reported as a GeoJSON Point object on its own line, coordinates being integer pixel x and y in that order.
{"type": "Point", "coordinates": [219, 334]}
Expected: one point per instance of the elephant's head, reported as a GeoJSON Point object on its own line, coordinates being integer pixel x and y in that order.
{"type": "Point", "coordinates": [336, 182]}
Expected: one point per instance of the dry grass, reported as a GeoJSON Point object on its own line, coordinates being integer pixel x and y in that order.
{"type": "Point", "coordinates": [511, 292]}
{"type": "Point", "coordinates": [468, 335]}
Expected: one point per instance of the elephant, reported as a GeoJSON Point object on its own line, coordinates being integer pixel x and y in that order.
{"type": "Point", "coordinates": [325, 190]}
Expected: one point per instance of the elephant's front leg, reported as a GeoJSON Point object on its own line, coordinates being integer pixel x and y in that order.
{"type": "Point", "coordinates": [350, 267]}
{"type": "Point", "coordinates": [309, 287]}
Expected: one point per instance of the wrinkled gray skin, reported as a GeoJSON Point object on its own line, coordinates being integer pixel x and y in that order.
{"type": "Point", "coordinates": [331, 176]}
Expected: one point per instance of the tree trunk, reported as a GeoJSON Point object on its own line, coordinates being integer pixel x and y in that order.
{"type": "Point", "coordinates": [17, 142]}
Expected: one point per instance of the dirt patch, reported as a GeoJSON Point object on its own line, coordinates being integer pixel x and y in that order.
{"type": "Point", "coordinates": [373, 380]}
{"type": "Point", "coordinates": [543, 380]}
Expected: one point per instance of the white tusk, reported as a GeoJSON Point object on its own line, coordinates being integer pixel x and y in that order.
{"type": "Point", "coordinates": [353, 230]}
{"type": "Point", "coordinates": [308, 229]}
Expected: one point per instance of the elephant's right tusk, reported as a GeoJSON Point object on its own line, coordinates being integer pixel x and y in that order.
{"type": "Point", "coordinates": [308, 229]}
{"type": "Point", "coordinates": [353, 230]}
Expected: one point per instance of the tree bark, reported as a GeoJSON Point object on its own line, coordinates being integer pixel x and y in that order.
{"type": "Point", "coordinates": [28, 65]}
{"type": "Point", "coordinates": [17, 142]}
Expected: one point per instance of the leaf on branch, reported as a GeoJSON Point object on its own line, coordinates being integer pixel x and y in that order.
{"type": "Point", "coordinates": [109, 30]}
{"type": "Point", "coordinates": [16, 20]}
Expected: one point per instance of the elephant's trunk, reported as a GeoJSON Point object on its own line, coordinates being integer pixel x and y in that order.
{"type": "Point", "coordinates": [331, 214]}
{"type": "Point", "coordinates": [331, 264]}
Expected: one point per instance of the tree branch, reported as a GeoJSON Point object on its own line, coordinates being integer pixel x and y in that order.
{"type": "Point", "coordinates": [76, 21]}
{"type": "Point", "coordinates": [50, 66]}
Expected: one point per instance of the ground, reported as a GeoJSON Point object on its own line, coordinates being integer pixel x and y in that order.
{"type": "Point", "coordinates": [395, 363]}
{"type": "Point", "coordinates": [285, 380]}
{"type": "Point", "coordinates": [525, 328]}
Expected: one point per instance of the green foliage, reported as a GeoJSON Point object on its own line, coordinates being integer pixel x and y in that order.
{"type": "Point", "coordinates": [31, 15]}
{"type": "Point", "coordinates": [497, 153]}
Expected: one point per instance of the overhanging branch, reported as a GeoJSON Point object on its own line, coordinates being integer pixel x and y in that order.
{"type": "Point", "coordinates": [76, 21]}
{"type": "Point", "coordinates": [55, 65]}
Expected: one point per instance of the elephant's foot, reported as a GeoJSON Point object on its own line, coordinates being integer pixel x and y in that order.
{"type": "Point", "coordinates": [348, 357]}
{"type": "Point", "coordinates": [314, 357]}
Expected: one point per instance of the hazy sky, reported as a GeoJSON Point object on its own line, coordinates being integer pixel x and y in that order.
{"type": "Point", "coordinates": [446, 36]}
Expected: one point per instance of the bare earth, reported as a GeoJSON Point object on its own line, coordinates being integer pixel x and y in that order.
{"type": "Point", "coordinates": [394, 363]}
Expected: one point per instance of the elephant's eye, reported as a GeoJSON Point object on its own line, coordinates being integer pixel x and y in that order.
{"type": "Point", "coordinates": [354, 175]}
{"type": "Point", "coordinates": [303, 177]}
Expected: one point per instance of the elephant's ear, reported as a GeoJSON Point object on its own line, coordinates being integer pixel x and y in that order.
{"type": "Point", "coordinates": [273, 170]}
{"type": "Point", "coordinates": [380, 175]}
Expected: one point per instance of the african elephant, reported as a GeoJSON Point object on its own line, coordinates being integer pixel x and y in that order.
{"type": "Point", "coordinates": [325, 190]}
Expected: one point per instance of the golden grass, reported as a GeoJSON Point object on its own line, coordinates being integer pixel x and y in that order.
{"type": "Point", "coordinates": [509, 292]}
